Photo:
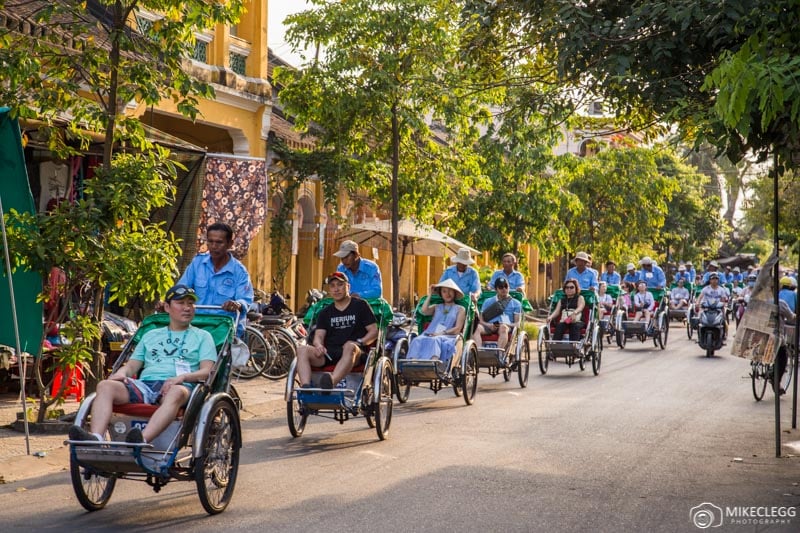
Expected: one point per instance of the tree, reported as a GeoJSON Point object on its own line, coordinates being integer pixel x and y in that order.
{"type": "Point", "coordinates": [525, 201]}
{"type": "Point", "coordinates": [385, 72]}
{"type": "Point", "coordinates": [101, 240]}
{"type": "Point", "coordinates": [75, 66]}
{"type": "Point", "coordinates": [624, 201]}
{"type": "Point", "coordinates": [693, 228]}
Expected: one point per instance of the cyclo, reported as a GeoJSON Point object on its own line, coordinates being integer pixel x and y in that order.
{"type": "Point", "coordinates": [589, 348]}
{"type": "Point", "coordinates": [516, 355]}
{"type": "Point", "coordinates": [366, 391]}
{"type": "Point", "coordinates": [681, 314]}
{"type": "Point", "coordinates": [607, 321]}
{"type": "Point", "coordinates": [461, 373]}
{"type": "Point", "coordinates": [658, 329]}
{"type": "Point", "coordinates": [202, 444]}
{"type": "Point", "coordinates": [692, 316]}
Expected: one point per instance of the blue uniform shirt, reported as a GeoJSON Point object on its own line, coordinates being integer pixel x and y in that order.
{"type": "Point", "coordinates": [631, 278]}
{"type": "Point", "coordinates": [512, 307]}
{"type": "Point", "coordinates": [366, 281]}
{"type": "Point", "coordinates": [655, 278]}
{"type": "Point", "coordinates": [611, 279]}
{"type": "Point", "coordinates": [586, 279]}
{"type": "Point", "coordinates": [468, 281]}
{"type": "Point", "coordinates": [515, 280]}
{"type": "Point", "coordinates": [790, 297]}
{"type": "Point", "coordinates": [232, 282]}
{"type": "Point", "coordinates": [685, 276]}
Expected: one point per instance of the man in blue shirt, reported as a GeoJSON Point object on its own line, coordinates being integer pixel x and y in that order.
{"type": "Point", "coordinates": [713, 266]}
{"type": "Point", "coordinates": [683, 275]}
{"type": "Point", "coordinates": [737, 275]}
{"type": "Point", "coordinates": [631, 276]}
{"type": "Point", "coordinates": [691, 271]}
{"type": "Point", "coordinates": [611, 276]}
{"type": "Point", "coordinates": [463, 274]}
{"type": "Point", "coordinates": [651, 274]}
{"type": "Point", "coordinates": [787, 292]}
{"type": "Point", "coordinates": [513, 276]}
{"type": "Point", "coordinates": [587, 277]}
{"type": "Point", "coordinates": [503, 323]}
{"type": "Point", "coordinates": [364, 275]}
{"type": "Point", "coordinates": [218, 278]}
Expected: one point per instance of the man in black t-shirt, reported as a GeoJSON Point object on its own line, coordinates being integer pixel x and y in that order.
{"type": "Point", "coordinates": [344, 328]}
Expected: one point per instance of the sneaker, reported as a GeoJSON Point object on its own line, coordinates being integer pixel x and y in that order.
{"type": "Point", "coordinates": [135, 436]}
{"type": "Point", "coordinates": [78, 433]}
{"type": "Point", "coordinates": [326, 382]}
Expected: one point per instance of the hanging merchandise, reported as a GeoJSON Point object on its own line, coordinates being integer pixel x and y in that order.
{"type": "Point", "coordinates": [235, 192]}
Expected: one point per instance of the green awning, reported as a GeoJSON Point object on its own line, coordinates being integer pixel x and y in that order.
{"type": "Point", "coordinates": [15, 193]}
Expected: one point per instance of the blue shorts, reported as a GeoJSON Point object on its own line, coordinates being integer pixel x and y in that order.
{"type": "Point", "coordinates": [136, 396]}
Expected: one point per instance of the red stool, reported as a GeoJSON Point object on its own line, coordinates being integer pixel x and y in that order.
{"type": "Point", "coordinates": [75, 383]}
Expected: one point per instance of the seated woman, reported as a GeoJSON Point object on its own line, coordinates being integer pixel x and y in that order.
{"type": "Point", "coordinates": [569, 311]}
{"type": "Point", "coordinates": [604, 300]}
{"type": "Point", "coordinates": [679, 296]}
{"type": "Point", "coordinates": [643, 302]}
{"type": "Point", "coordinates": [443, 336]}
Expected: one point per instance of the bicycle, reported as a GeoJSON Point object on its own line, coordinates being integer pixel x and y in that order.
{"type": "Point", "coordinates": [261, 354]}
{"type": "Point", "coordinates": [762, 373]}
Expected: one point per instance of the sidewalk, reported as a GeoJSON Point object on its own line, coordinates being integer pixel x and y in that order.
{"type": "Point", "coordinates": [260, 397]}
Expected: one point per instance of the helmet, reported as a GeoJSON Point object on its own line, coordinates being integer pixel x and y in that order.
{"type": "Point", "coordinates": [787, 281]}
{"type": "Point", "coordinates": [752, 277]}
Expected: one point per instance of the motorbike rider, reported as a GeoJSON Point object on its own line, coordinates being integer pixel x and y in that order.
{"type": "Point", "coordinates": [788, 293]}
{"type": "Point", "coordinates": [713, 291]}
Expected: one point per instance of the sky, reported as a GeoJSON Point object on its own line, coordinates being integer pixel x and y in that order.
{"type": "Point", "coordinates": [278, 10]}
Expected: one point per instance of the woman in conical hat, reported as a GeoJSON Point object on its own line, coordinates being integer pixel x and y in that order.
{"type": "Point", "coordinates": [443, 336]}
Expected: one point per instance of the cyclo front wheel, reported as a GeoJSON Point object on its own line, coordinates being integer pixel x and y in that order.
{"type": "Point", "coordinates": [93, 490]}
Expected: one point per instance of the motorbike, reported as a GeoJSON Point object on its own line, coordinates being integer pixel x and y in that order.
{"type": "Point", "coordinates": [397, 334]}
{"type": "Point", "coordinates": [312, 297]}
{"type": "Point", "coordinates": [711, 326]}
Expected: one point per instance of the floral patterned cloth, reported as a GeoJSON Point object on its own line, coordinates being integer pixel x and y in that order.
{"type": "Point", "coordinates": [235, 192]}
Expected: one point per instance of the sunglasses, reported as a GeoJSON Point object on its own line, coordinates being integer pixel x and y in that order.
{"type": "Point", "coordinates": [181, 292]}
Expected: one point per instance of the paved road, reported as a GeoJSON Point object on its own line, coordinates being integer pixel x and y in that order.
{"type": "Point", "coordinates": [657, 433]}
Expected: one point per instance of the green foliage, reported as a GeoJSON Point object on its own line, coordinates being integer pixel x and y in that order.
{"type": "Point", "coordinates": [624, 201]}
{"type": "Point", "coordinates": [102, 240]}
{"type": "Point", "coordinates": [90, 67]}
{"type": "Point", "coordinates": [387, 71]}
{"type": "Point", "coordinates": [725, 73]}
{"type": "Point", "coordinates": [693, 228]}
{"type": "Point", "coordinates": [760, 215]}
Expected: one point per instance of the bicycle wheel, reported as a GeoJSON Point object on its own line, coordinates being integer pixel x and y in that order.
{"type": "Point", "coordinates": [285, 351]}
{"type": "Point", "coordinates": [259, 354]}
{"type": "Point", "coordinates": [759, 380]}
{"type": "Point", "coordinates": [786, 380]}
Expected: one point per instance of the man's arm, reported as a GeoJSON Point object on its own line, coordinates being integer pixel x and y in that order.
{"type": "Point", "coordinates": [244, 289]}
{"type": "Point", "coordinates": [375, 284]}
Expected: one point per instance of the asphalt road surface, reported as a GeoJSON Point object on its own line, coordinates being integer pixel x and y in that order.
{"type": "Point", "coordinates": [655, 435]}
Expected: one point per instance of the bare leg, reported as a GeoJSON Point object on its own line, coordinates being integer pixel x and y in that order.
{"type": "Point", "coordinates": [109, 393]}
{"type": "Point", "coordinates": [177, 396]}
{"type": "Point", "coordinates": [350, 354]}
{"type": "Point", "coordinates": [477, 336]}
{"type": "Point", "coordinates": [306, 356]}
{"type": "Point", "coordinates": [502, 336]}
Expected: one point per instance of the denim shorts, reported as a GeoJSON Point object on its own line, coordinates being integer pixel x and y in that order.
{"type": "Point", "coordinates": [152, 397]}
